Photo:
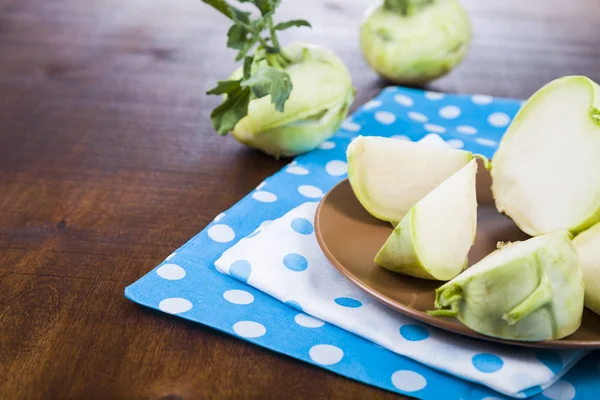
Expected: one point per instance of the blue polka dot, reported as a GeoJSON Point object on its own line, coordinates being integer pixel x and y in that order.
{"type": "Point", "coordinates": [550, 359]}
{"type": "Point", "coordinates": [240, 269]}
{"type": "Point", "coordinates": [295, 262]}
{"type": "Point", "coordinates": [487, 363]}
{"type": "Point", "coordinates": [530, 391]}
{"type": "Point", "coordinates": [414, 332]}
{"type": "Point", "coordinates": [302, 226]}
{"type": "Point", "coordinates": [295, 304]}
{"type": "Point", "coordinates": [348, 302]}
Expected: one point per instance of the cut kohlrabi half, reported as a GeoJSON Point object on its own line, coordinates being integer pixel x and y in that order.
{"type": "Point", "coordinates": [389, 176]}
{"type": "Point", "coordinates": [528, 291]}
{"type": "Point", "coordinates": [546, 171]}
{"type": "Point", "coordinates": [587, 245]}
{"type": "Point", "coordinates": [433, 240]}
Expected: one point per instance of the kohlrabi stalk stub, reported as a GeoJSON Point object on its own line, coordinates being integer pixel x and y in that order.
{"type": "Point", "coordinates": [587, 245]}
{"type": "Point", "coordinates": [390, 176]}
{"type": "Point", "coordinates": [433, 240]}
{"type": "Point", "coordinates": [415, 41]}
{"type": "Point", "coordinates": [546, 171]}
{"type": "Point", "coordinates": [284, 100]}
{"type": "Point", "coordinates": [527, 291]}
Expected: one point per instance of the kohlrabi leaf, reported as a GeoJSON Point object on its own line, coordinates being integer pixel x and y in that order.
{"type": "Point", "coordinates": [233, 109]}
{"type": "Point", "coordinates": [237, 37]}
{"type": "Point", "coordinates": [268, 80]}
{"type": "Point", "coordinates": [288, 24]}
{"type": "Point", "coordinates": [228, 10]}
{"type": "Point", "coordinates": [247, 70]}
{"type": "Point", "coordinates": [265, 6]}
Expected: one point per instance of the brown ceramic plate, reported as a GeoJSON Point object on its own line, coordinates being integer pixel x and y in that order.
{"type": "Point", "coordinates": [350, 237]}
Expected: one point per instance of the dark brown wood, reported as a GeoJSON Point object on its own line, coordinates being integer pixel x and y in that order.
{"type": "Point", "coordinates": [108, 162]}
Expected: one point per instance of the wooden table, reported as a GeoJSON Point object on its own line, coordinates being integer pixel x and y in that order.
{"type": "Point", "coordinates": [108, 162]}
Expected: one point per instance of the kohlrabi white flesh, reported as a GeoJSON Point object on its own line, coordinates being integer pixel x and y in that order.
{"type": "Point", "coordinates": [433, 240]}
{"type": "Point", "coordinates": [546, 171]}
{"type": "Point", "coordinates": [415, 41]}
{"type": "Point", "coordinates": [318, 103]}
{"type": "Point", "coordinates": [389, 176]}
{"type": "Point", "coordinates": [587, 245]}
{"type": "Point", "coordinates": [527, 291]}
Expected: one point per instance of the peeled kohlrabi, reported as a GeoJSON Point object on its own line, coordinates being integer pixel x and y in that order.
{"type": "Point", "coordinates": [546, 171]}
{"type": "Point", "coordinates": [415, 41]}
{"type": "Point", "coordinates": [587, 245]}
{"type": "Point", "coordinates": [284, 100]}
{"type": "Point", "coordinates": [389, 176]}
{"type": "Point", "coordinates": [529, 291]}
{"type": "Point", "coordinates": [433, 240]}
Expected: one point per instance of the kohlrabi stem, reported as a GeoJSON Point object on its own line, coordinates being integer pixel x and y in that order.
{"type": "Point", "coordinates": [406, 7]}
{"type": "Point", "coordinates": [275, 40]}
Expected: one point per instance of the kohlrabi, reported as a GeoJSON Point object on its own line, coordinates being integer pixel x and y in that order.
{"type": "Point", "coordinates": [389, 176]}
{"type": "Point", "coordinates": [415, 41]}
{"type": "Point", "coordinates": [587, 245]}
{"type": "Point", "coordinates": [433, 240]}
{"type": "Point", "coordinates": [283, 100]}
{"type": "Point", "coordinates": [529, 291]}
{"type": "Point", "coordinates": [546, 171]}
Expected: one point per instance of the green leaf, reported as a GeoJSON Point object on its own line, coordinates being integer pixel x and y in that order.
{"type": "Point", "coordinates": [270, 81]}
{"type": "Point", "coordinates": [265, 6]}
{"type": "Point", "coordinates": [224, 87]}
{"type": "Point", "coordinates": [237, 37]}
{"type": "Point", "coordinates": [228, 10]}
{"type": "Point", "coordinates": [248, 66]}
{"type": "Point", "coordinates": [295, 22]}
{"type": "Point", "coordinates": [232, 110]}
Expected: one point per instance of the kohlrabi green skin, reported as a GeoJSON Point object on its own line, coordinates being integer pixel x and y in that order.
{"type": "Point", "coordinates": [321, 96]}
{"type": "Point", "coordinates": [526, 291]}
{"type": "Point", "coordinates": [389, 176]}
{"type": "Point", "coordinates": [546, 171]}
{"type": "Point", "coordinates": [433, 240]}
{"type": "Point", "coordinates": [415, 45]}
{"type": "Point", "coordinates": [587, 245]}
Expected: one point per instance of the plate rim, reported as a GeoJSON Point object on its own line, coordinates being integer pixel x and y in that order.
{"type": "Point", "coordinates": [437, 322]}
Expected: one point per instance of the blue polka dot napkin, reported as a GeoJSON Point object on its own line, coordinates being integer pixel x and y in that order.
{"type": "Point", "coordinates": [257, 273]}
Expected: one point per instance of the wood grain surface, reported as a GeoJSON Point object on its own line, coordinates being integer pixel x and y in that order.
{"type": "Point", "coordinates": [108, 162]}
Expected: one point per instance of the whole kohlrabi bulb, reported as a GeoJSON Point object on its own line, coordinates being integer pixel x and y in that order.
{"type": "Point", "coordinates": [318, 103]}
{"type": "Point", "coordinates": [415, 41]}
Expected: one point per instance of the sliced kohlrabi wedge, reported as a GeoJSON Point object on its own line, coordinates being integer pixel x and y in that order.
{"type": "Point", "coordinates": [528, 291]}
{"type": "Point", "coordinates": [546, 171]}
{"type": "Point", "coordinates": [588, 247]}
{"type": "Point", "coordinates": [433, 240]}
{"type": "Point", "coordinates": [389, 176]}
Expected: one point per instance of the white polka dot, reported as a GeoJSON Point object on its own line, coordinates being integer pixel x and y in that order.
{"type": "Point", "coordinates": [263, 183]}
{"type": "Point", "coordinates": [466, 129]}
{"type": "Point", "coordinates": [486, 142]}
{"type": "Point", "coordinates": [449, 112]}
{"type": "Point", "coordinates": [521, 395]}
{"type": "Point", "coordinates": [433, 140]}
{"type": "Point", "coordinates": [296, 170]}
{"type": "Point", "coordinates": [336, 168]}
{"type": "Point", "coordinates": [456, 143]}
{"type": "Point", "coordinates": [415, 116]}
{"type": "Point", "coordinates": [327, 145]}
{"type": "Point", "coordinates": [265, 223]}
{"type": "Point", "coordinates": [561, 390]}
{"type": "Point", "coordinates": [175, 305]}
{"type": "Point", "coordinates": [310, 191]}
{"type": "Point", "coordinates": [384, 117]}
{"type": "Point", "coordinates": [265, 197]}
{"type": "Point", "coordinates": [221, 233]}
{"type": "Point", "coordinates": [238, 297]}
{"type": "Point", "coordinates": [219, 217]}
{"type": "Point", "coordinates": [307, 321]}
{"type": "Point", "coordinates": [408, 381]}
{"type": "Point", "coordinates": [491, 398]}
{"type": "Point", "coordinates": [401, 137]}
{"type": "Point", "coordinates": [351, 126]}
{"type": "Point", "coordinates": [171, 272]}
{"type": "Point", "coordinates": [434, 95]}
{"type": "Point", "coordinates": [371, 104]}
{"type": "Point", "coordinates": [403, 100]}
{"type": "Point", "coordinates": [482, 99]}
{"type": "Point", "coordinates": [171, 256]}
{"type": "Point", "coordinates": [435, 128]}
{"type": "Point", "coordinates": [326, 354]}
{"type": "Point", "coordinates": [498, 119]}
{"type": "Point", "coordinates": [293, 163]}
{"type": "Point", "coordinates": [249, 329]}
